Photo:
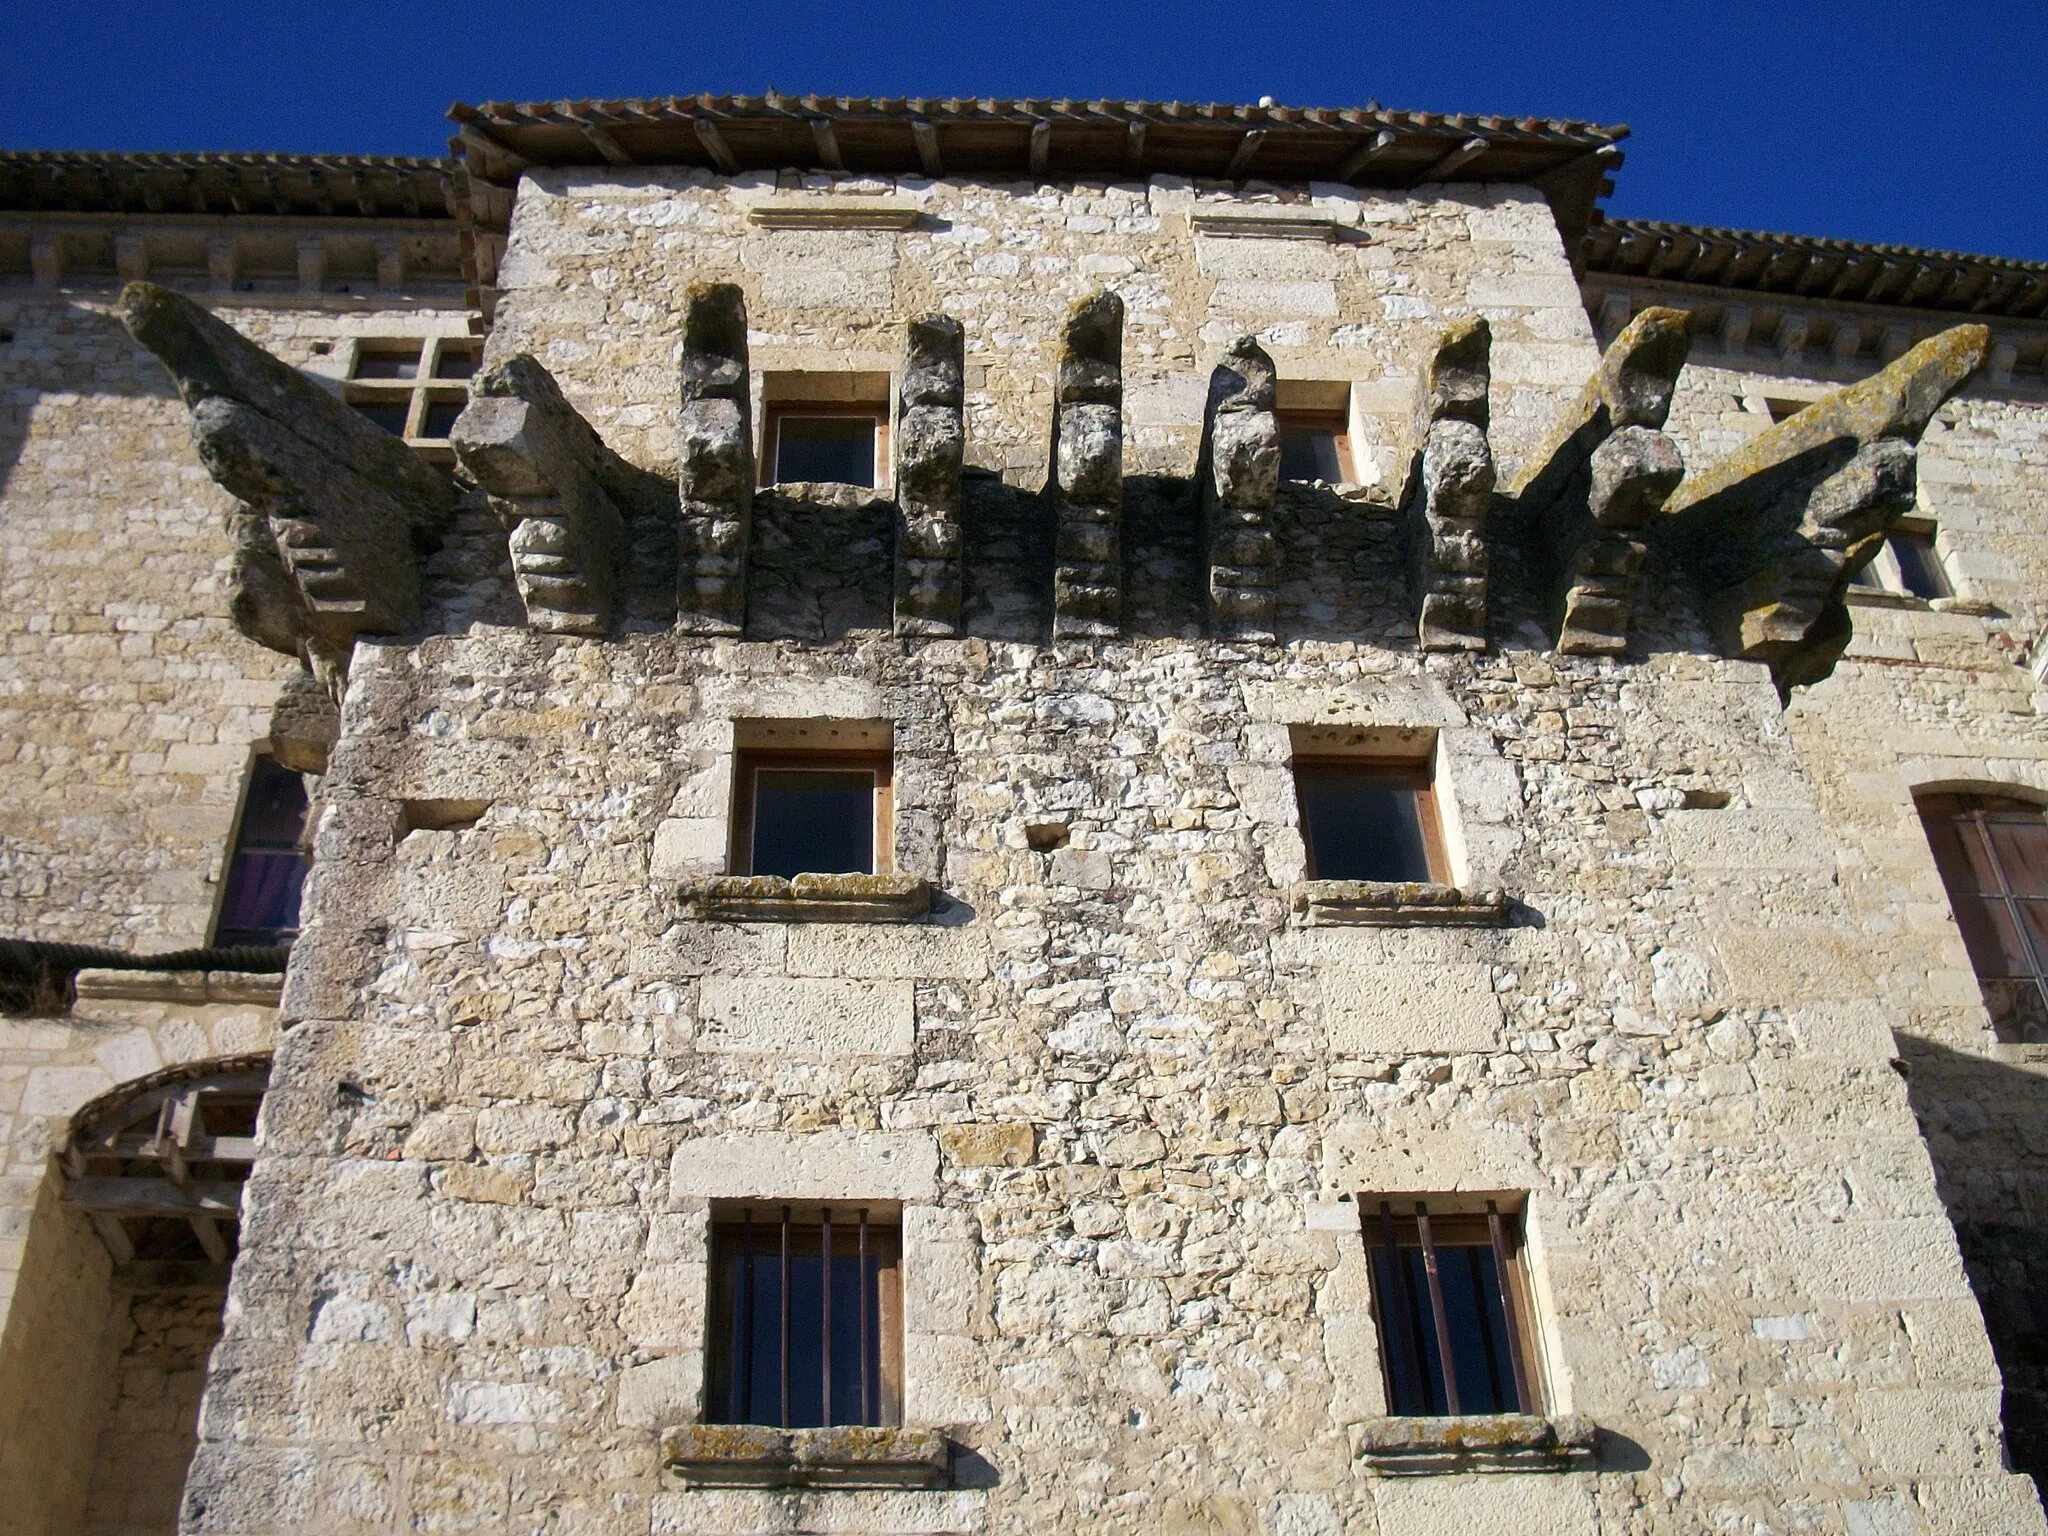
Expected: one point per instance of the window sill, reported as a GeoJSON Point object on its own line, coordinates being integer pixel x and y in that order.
{"type": "Point", "coordinates": [190, 987]}
{"type": "Point", "coordinates": [1478, 1442]}
{"type": "Point", "coordinates": [757, 1456]}
{"type": "Point", "coordinates": [806, 899]}
{"type": "Point", "coordinates": [1395, 904]}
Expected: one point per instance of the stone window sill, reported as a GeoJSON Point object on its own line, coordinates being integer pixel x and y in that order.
{"type": "Point", "coordinates": [806, 899]}
{"type": "Point", "coordinates": [1479, 1442]}
{"type": "Point", "coordinates": [757, 1456]}
{"type": "Point", "coordinates": [190, 987]}
{"type": "Point", "coordinates": [1879, 597]}
{"type": "Point", "coordinates": [1395, 904]}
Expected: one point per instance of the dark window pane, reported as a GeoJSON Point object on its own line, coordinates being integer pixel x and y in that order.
{"type": "Point", "coordinates": [840, 449]}
{"type": "Point", "coordinates": [1866, 578]}
{"type": "Point", "coordinates": [389, 363]}
{"type": "Point", "coordinates": [2018, 1011]}
{"type": "Point", "coordinates": [457, 363]}
{"type": "Point", "coordinates": [1362, 826]}
{"type": "Point", "coordinates": [440, 417]}
{"type": "Point", "coordinates": [1475, 1314]}
{"type": "Point", "coordinates": [2021, 844]}
{"type": "Point", "coordinates": [1919, 567]}
{"type": "Point", "coordinates": [260, 904]}
{"type": "Point", "coordinates": [1959, 855]}
{"type": "Point", "coordinates": [810, 821]}
{"type": "Point", "coordinates": [752, 1368]}
{"type": "Point", "coordinates": [1309, 453]}
{"type": "Point", "coordinates": [1990, 936]}
{"type": "Point", "coordinates": [388, 414]}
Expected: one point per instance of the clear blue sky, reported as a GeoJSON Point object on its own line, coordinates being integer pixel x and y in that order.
{"type": "Point", "coordinates": [1918, 123]}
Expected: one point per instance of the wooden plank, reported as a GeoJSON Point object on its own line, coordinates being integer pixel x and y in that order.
{"type": "Point", "coordinates": [927, 136]}
{"type": "Point", "coordinates": [714, 145]}
{"type": "Point", "coordinates": [827, 143]}
{"type": "Point", "coordinates": [154, 1197]}
{"type": "Point", "coordinates": [1241, 158]}
{"type": "Point", "coordinates": [1378, 147]}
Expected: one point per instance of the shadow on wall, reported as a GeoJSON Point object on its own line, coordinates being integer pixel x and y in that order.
{"type": "Point", "coordinates": [1986, 1127]}
{"type": "Point", "coordinates": [50, 346]}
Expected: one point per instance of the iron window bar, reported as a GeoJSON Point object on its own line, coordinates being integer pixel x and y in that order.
{"type": "Point", "coordinates": [2009, 898]}
{"type": "Point", "coordinates": [1402, 1303]}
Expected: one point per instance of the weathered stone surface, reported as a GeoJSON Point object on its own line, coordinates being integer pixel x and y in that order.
{"type": "Point", "coordinates": [344, 505]}
{"type": "Point", "coordinates": [751, 1455]}
{"type": "Point", "coordinates": [546, 473]}
{"type": "Point", "coordinates": [931, 446]}
{"type": "Point", "coordinates": [715, 476]}
{"type": "Point", "coordinates": [1453, 491]}
{"type": "Point", "coordinates": [1632, 387]}
{"type": "Point", "coordinates": [304, 725]}
{"type": "Point", "coordinates": [1087, 487]}
{"type": "Point", "coordinates": [1237, 476]}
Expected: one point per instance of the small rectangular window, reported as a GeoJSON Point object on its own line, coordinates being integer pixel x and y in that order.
{"type": "Point", "coordinates": [1315, 445]}
{"type": "Point", "coordinates": [440, 416]}
{"type": "Point", "coordinates": [1450, 1294]}
{"type": "Point", "coordinates": [1369, 819]}
{"type": "Point", "coordinates": [812, 813]}
{"type": "Point", "coordinates": [1920, 568]}
{"type": "Point", "coordinates": [1992, 852]}
{"type": "Point", "coordinates": [806, 1324]}
{"type": "Point", "coordinates": [387, 360]}
{"type": "Point", "coordinates": [260, 904]}
{"type": "Point", "coordinates": [389, 414]}
{"type": "Point", "coordinates": [820, 444]}
{"type": "Point", "coordinates": [455, 360]}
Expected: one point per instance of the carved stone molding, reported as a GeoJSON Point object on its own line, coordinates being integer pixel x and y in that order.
{"type": "Point", "coordinates": [1453, 492]}
{"type": "Point", "coordinates": [1088, 472]}
{"type": "Point", "coordinates": [715, 478]}
{"type": "Point", "coordinates": [931, 449]}
{"type": "Point", "coordinates": [1237, 476]}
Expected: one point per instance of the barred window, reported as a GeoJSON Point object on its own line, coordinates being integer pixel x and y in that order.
{"type": "Point", "coordinates": [806, 1316]}
{"type": "Point", "coordinates": [1451, 1298]}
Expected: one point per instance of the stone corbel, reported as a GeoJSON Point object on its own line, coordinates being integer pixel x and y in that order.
{"type": "Point", "coordinates": [1088, 473]}
{"type": "Point", "coordinates": [1238, 476]}
{"type": "Point", "coordinates": [336, 509]}
{"type": "Point", "coordinates": [1603, 475]}
{"type": "Point", "coordinates": [538, 460]}
{"type": "Point", "coordinates": [1779, 528]}
{"type": "Point", "coordinates": [1450, 498]}
{"type": "Point", "coordinates": [931, 449]}
{"type": "Point", "coordinates": [715, 478]}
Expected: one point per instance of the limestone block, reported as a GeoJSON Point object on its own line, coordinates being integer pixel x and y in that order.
{"type": "Point", "coordinates": [1388, 1008]}
{"type": "Point", "coordinates": [1932, 1431]}
{"type": "Point", "coordinates": [666, 1391]}
{"type": "Point", "coordinates": [690, 845]}
{"type": "Point", "coordinates": [820, 1165]}
{"type": "Point", "coordinates": [906, 951]}
{"type": "Point", "coordinates": [1747, 839]}
{"type": "Point", "coordinates": [806, 1018]}
{"type": "Point", "coordinates": [1886, 1262]}
{"type": "Point", "coordinates": [941, 1286]}
{"type": "Point", "coordinates": [945, 1380]}
{"type": "Point", "coordinates": [1468, 1505]}
{"type": "Point", "coordinates": [664, 1309]}
{"type": "Point", "coordinates": [1008, 1145]}
{"type": "Point", "coordinates": [834, 1512]}
{"type": "Point", "coordinates": [1792, 963]}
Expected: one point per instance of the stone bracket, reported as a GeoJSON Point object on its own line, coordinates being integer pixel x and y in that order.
{"type": "Point", "coordinates": [848, 1456]}
{"type": "Point", "coordinates": [1238, 479]}
{"type": "Point", "coordinates": [931, 451]}
{"type": "Point", "coordinates": [806, 898]}
{"type": "Point", "coordinates": [1451, 497]}
{"type": "Point", "coordinates": [538, 460]}
{"type": "Point", "coordinates": [715, 475]}
{"type": "Point", "coordinates": [1087, 487]}
{"type": "Point", "coordinates": [1394, 904]}
{"type": "Point", "coordinates": [1480, 1442]}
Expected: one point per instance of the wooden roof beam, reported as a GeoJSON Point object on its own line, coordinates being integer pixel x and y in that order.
{"type": "Point", "coordinates": [1456, 160]}
{"type": "Point", "coordinates": [1134, 147]}
{"type": "Point", "coordinates": [1377, 148]}
{"type": "Point", "coordinates": [606, 144]}
{"type": "Point", "coordinates": [926, 133]}
{"type": "Point", "coordinates": [827, 144]}
{"type": "Point", "coordinates": [1241, 157]}
{"type": "Point", "coordinates": [715, 145]}
{"type": "Point", "coordinates": [1041, 147]}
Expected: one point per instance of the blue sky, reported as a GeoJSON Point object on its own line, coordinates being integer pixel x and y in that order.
{"type": "Point", "coordinates": [1915, 123]}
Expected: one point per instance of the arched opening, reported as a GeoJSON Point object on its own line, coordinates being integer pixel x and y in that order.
{"type": "Point", "coordinates": [124, 1279]}
{"type": "Point", "coordinates": [1992, 851]}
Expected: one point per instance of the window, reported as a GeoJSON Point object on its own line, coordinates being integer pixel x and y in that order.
{"type": "Point", "coordinates": [1909, 563]}
{"type": "Point", "coordinates": [260, 905]}
{"type": "Point", "coordinates": [806, 1321]}
{"type": "Point", "coordinates": [1365, 818]}
{"type": "Point", "coordinates": [1448, 1286]}
{"type": "Point", "coordinates": [1992, 852]}
{"type": "Point", "coordinates": [1315, 445]}
{"type": "Point", "coordinates": [413, 388]}
{"type": "Point", "coordinates": [816, 443]}
{"type": "Point", "coordinates": [813, 797]}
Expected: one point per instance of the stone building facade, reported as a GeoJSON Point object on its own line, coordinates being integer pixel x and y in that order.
{"type": "Point", "coordinates": [1206, 462]}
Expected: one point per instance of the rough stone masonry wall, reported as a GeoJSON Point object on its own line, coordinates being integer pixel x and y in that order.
{"type": "Point", "coordinates": [1933, 699]}
{"type": "Point", "coordinates": [1120, 1097]}
{"type": "Point", "coordinates": [129, 705]}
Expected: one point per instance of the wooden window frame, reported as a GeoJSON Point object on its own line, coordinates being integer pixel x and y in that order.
{"type": "Point", "coordinates": [1421, 777]}
{"type": "Point", "coordinates": [1335, 422]}
{"type": "Point", "coordinates": [418, 393]}
{"type": "Point", "coordinates": [1979, 808]}
{"type": "Point", "coordinates": [727, 1237]}
{"type": "Point", "coordinates": [749, 761]}
{"type": "Point", "coordinates": [1455, 1223]}
{"type": "Point", "coordinates": [870, 410]}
